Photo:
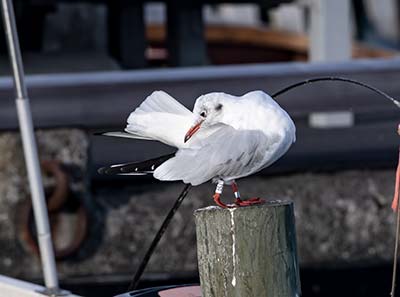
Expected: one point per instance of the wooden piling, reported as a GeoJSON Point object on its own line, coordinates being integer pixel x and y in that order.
{"type": "Point", "coordinates": [248, 251]}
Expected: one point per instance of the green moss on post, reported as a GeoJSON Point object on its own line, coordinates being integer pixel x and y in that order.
{"type": "Point", "coordinates": [248, 251]}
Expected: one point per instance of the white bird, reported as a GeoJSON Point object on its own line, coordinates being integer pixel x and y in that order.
{"type": "Point", "coordinates": [225, 138]}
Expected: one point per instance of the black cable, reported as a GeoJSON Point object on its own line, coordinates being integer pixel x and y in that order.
{"type": "Point", "coordinates": [167, 220]}
{"type": "Point", "coordinates": [336, 78]}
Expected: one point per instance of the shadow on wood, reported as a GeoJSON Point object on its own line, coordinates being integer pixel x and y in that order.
{"type": "Point", "coordinates": [248, 251]}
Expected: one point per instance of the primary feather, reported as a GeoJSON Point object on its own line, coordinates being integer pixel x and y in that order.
{"type": "Point", "coordinates": [136, 168]}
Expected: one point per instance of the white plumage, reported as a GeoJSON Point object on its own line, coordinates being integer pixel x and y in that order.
{"type": "Point", "coordinates": [237, 136]}
{"type": "Point", "coordinates": [160, 117]}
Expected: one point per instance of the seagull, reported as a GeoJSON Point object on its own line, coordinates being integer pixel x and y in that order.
{"type": "Point", "coordinates": [225, 138]}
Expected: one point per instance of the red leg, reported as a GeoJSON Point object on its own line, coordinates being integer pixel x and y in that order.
{"type": "Point", "coordinates": [251, 201]}
{"type": "Point", "coordinates": [235, 190]}
{"type": "Point", "coordinates": [240, 202]}
{"type": "Point", "coordinates": [217, 199]}
{"type": "Point", "coordinates": [217, 195]}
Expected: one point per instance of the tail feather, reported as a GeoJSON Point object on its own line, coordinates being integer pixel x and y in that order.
{"type": "Point", "coordinates": [136, 168]}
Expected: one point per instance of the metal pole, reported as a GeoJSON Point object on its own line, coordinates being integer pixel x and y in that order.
{"type": "Point", "coordinates": [30, 151]}
{"type": "Point", "coordinates": [330, 34]}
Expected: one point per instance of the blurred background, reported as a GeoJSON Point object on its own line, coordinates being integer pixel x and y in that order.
{"type": "Point", "coordinates": [90, 63]}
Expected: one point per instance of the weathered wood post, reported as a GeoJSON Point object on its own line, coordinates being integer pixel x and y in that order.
{"type": "Point", "coordinates": [248, 251]}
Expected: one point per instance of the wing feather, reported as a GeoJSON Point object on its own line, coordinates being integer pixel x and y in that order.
{"type": "Point", "coordinates": [135, 168]}
{"type": "Point", "coordinates": [228, 154]}
{"type": "Point", "coordinates": [160, 101]}
{"type": "Point", "coordinates": [160, 117]}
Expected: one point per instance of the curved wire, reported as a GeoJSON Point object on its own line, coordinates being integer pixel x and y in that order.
{"type": "Point", "coordinates": [395, 102]}
{"type": "Point", "coordinates": [336, 78]}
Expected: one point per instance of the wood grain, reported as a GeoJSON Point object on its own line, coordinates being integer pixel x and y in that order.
{"type": "Point", "coordinates": [248, 251]}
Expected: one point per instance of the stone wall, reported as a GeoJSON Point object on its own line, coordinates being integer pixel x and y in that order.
{"type": "Point", "coordinates": [342, 218]}
{"type": "Point", "coordinates": [70, 148]}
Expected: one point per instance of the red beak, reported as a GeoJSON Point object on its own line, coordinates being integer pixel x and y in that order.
{"type": "Point", "coordinates": [193, 130]}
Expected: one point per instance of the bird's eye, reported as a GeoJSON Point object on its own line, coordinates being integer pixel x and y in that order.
{"type": "Point", "coordinates": [203, 114]}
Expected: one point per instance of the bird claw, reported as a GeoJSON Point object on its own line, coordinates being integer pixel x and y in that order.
{"type": "Point", "coordinates": [238, 202]}
{"type": "Point", "coordinates": [217, 200]}
{"type": "Point", "coordinates": [251, 201]}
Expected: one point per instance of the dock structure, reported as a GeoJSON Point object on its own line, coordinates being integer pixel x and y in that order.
{"type": "Point", "coordinates": [248, 251]}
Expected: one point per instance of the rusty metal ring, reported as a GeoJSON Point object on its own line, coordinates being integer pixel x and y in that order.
{"type": "Point", "coordinates": [55, 202]}
{"type": "Point", "coordinates": [80, 232]}
{"type": "Point", "coordinates": [60, 193]}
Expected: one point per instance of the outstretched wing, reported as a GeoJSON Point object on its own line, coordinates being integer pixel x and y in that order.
{"type": "Point", "coordinates": [228, 153]}
{"type": "Point", "coordinates": [160, 117]}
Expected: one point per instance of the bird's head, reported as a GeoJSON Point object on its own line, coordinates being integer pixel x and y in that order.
{"type": "Point", "coordinates": [208, 110]}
